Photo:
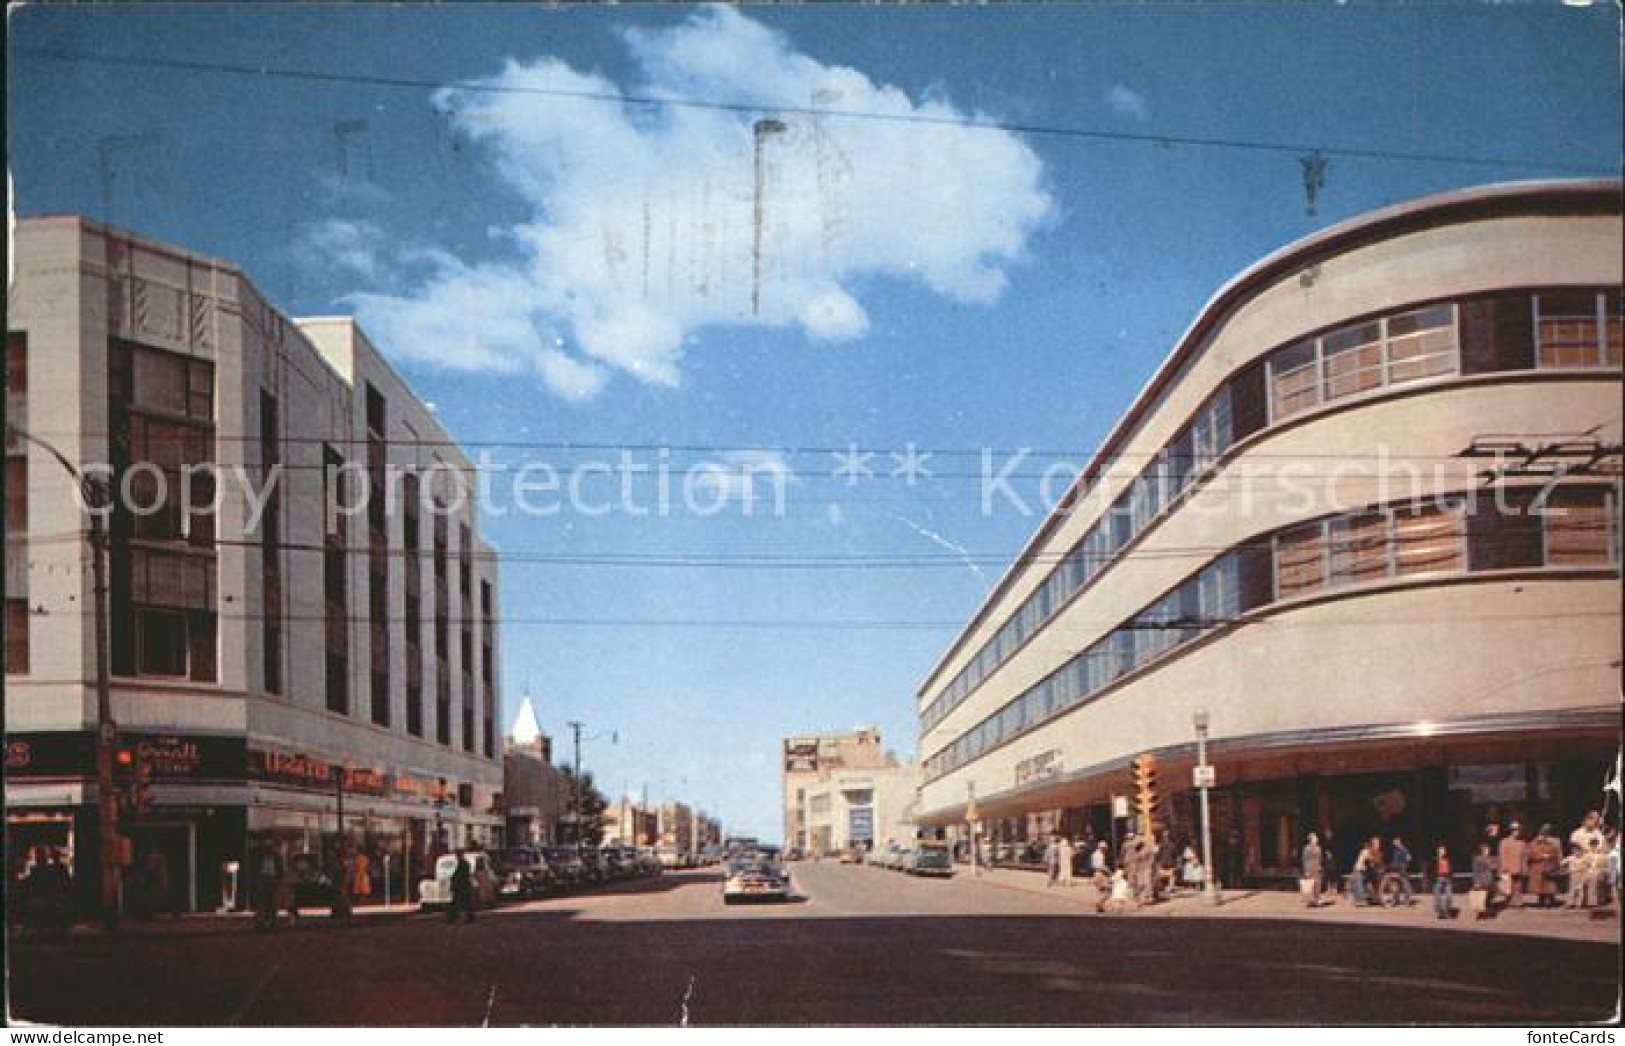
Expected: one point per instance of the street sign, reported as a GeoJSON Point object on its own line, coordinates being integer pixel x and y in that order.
{"type": "Point", "coordinates": [1204, 777]}
{"type": "Point", "coordinates": [1119, 806]}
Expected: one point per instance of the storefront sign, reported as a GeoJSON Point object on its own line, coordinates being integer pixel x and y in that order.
{"type": "Point", "coordinates": [169, 757]}
{"type": "Point", "coordinates": [1038, 767]}
{"type": "Point", "coordinates": [291, 768]}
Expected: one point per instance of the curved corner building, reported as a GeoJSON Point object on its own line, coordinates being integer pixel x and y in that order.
{"type": "Point", "coordinates": [1366, 518]}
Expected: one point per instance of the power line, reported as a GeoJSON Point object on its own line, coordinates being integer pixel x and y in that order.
{"type": "Point", "coordinates": [768, 560]}
{"type": "Point", "coordinates": [574, 446]}
{"type": "Point", "coordinates": [1296, 149]}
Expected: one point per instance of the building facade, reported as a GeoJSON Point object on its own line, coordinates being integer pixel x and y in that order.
{"type": "Point", "coordinates": [303, 641]}
{"type": "Point", "coordinates": [809, 756]}
{"type": "Point", "coordinates": [861, 809]}
{"type": "Point", "coordinates": [1365, 520]}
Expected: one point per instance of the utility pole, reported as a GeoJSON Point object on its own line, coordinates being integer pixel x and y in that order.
{"type": "Point", "coordinates": [575, 803]}
{"type": "Point", "coordinates": [97, 495]}
{"type": "Point", "coordinates": [576, 726]}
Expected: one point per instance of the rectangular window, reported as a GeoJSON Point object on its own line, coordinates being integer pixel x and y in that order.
{"type": "Point", "coordinates": [1613, 335]}
{"type": "Point", "coordinates": [16, 495]}
{"type": "Point", "coordinates": [1294, 380]}
{"type": "Point", "coordinates": [16, 636]}
{"type": "Point", "coordinates": [1359, 548]}
{"type": "Point", "coordinates": [414, 710]}
{"type": "Point", "coordinates": [1580, 527]}
{"type": "Point", "coordinates": [1569, 330]}
{"type": "Point", "coordinates": [161, 645]}
{"type": "Point", "coordinates": [1429, 538]}
{"type": "Point", "coordinates": [16, 361]}
{"type": "Point", "coordinates": [1300, 561]}
{"type": "Point", "coordinates": [1353, 360]}
{"type": "Point", "coordinates": [1421, 344]}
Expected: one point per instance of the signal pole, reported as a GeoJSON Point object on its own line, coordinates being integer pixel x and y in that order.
{"type": "Point", "coordinates": [97, 495]}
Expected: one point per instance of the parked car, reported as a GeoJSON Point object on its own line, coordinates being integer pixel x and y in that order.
{"type": "Point", "coordinates": [930, 859]}
{"type": "Point", "coordinates": [522, 871]}
{"type": "Point", "coordinates": [754, 877]}
{"type": "Point", "coordinates": [565, 864]}
{"type": "Point", "coordinates": [669, 857]}
{"type": "Point", "coordinates": [648, 863]}
{"type": "Point", "coordinates": [436, 892]}
{"type": "Point", "coordinates": [593, 868]}
{"type": "Point", "coordinates": [615, 862]}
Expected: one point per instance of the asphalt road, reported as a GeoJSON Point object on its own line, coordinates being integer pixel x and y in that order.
{"type": "Point", "coordinates": [861, 946]}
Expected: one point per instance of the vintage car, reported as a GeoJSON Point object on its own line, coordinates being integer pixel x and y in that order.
{"type": "Point", "coordinates": [522, 871]}
{"type": "Point", "coordinates": [566, 865]}
{"type": "Point", "coordinates": [930, 859]}
{"type": "Point", "coordinates": [754, 877]}
{"type": "Point", "coordinates": [435, 892]}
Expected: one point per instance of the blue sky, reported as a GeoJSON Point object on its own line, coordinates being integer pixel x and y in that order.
{"type": "Point", "coordinates": [549, 268]}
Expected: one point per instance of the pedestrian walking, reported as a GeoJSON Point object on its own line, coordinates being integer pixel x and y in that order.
{"type": "Point", "coordinates": [1330, 886]}
{"type": "Point", "coordinates": [1311, 870]}
{"type": "Point", "coordinates": [462, 891]}
{"type": "Point", "coordinates": [1052, 860]}
{"type": "Point", "coordinates": [1117, 895]}
{"type": "Point", "coordinates": [266, 886]}
{"type": "Point", "coordinates": [1443, 903]}
{"type": "Point", "coordinates": [1066, 856]}
{"type": "Point", "coordinates": [1542, 861]}
{"type": "Point", "coordinates": [1399, 866]}
{"type": "Point", "coordinates": [1484, 875]}
{"type": "Point", "coordinates": [1513, 857]}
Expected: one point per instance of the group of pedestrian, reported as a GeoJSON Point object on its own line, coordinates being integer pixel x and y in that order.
{"type": "Point", "coordinates": [1507, 870]}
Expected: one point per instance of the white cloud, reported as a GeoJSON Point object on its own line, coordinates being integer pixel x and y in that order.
{"type": "Point", "coordinates": [649, 223]}
{"type": "Point", "coordinates": [1128, 101]}
{"type": "Point", "coordinates": [350, 247]}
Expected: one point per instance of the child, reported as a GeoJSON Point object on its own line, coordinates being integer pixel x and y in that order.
{"type": "Point", "coordinates": [1576, 867]}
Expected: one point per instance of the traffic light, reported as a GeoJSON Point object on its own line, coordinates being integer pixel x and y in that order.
{"type": "Point", "coordinates": [132, 775]}
{"type": "Point", "coordinates": [1144, 772]}
{"type": "Point", "coordinates": [140, 793]}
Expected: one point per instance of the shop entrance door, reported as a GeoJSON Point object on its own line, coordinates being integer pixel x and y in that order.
{"type": "Point", "coordinates": [163, 874]}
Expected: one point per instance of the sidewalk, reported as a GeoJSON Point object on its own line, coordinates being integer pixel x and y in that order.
{"type": "Point", "coordinates": [202, 923]}
{"type": "Point", "coordinates": [1280, 904]}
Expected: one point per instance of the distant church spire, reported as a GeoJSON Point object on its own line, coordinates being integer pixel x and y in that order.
{"type": "Point", "coordinates": [526, 728]}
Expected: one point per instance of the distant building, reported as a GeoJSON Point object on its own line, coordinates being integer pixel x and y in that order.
{"type": "Point", "coordinates": [861, 809]}
{"type": "Point", "coordinates": [530, 783]}
{"type": "Point", "coordinates": [809, 758]}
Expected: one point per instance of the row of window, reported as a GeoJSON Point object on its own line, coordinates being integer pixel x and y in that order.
{"type": "Point", "coordinates": [1576, 526]}
{"type": "Point", "coordinates": [1511, 331]}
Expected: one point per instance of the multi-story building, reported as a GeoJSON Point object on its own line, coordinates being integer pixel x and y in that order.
{"type": "Point", "coordinates": [861, 809]}
{"type": "Point", "coordinates": [808, 756]}
{"type": "Point", "coordinates": [676, 822]}
{"type": "Point", "coordinates": [1364, 521]}
{"type": "Point", "coordinates": [302, 648]}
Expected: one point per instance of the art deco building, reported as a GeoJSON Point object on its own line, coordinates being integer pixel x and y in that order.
{"type": "Point", "coordinates": [277, 659]}
{"type": "Point", "coordinates": [1366, 516]}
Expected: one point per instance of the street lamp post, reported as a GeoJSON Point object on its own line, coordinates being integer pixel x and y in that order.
{"type": "Point", "coordinates": [1204, 773]}
{"type": "Point", "coordinates": [96, 492]}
